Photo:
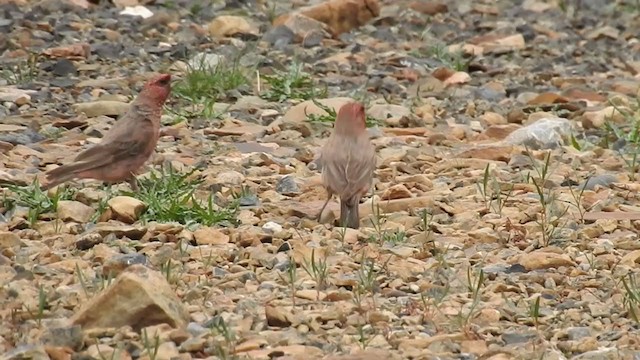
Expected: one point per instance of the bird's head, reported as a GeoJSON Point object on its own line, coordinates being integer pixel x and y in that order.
{"type": "Point", "coordinates": [157, 89]}
{"type": "Point", "coordinates": [351, 119]}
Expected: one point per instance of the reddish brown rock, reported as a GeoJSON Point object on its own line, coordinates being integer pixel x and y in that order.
{"type": "Point", "coordinates": [340, 15]}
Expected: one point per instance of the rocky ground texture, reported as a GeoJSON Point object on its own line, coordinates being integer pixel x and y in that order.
{"type": "Point", "coordinates": [502, 223]}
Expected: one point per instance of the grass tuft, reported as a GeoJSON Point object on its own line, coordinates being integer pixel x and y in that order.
{"type": "Point", "coordinates": [170, 196]}
{"type": "Point", "coordinates": [36, 200]}
{"type": "Point", "coordinates": [22, 72]}
{"type": "Point", "coordinates": [204, 84]}
{"type": "Point", "coordinates": [294, 83]}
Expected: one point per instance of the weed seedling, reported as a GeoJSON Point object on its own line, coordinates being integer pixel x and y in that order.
{"type": "Point", "coordinates": [631, 297]}
{"type": "Point", "coordinates": [22, 72]}
{"type": "Point", "coordinates": [291, 84]}
{"type": "Point", "coordinates": [474, 288]}
{"type": "Point", "coordinates": [330, 116]}
{"type": "Point", "coordinates": [367, 278]}
{"type": "Point", "coordinates": [318, 270]}
{"type": "Point", "coordinates": [550, 214]}
{"type": "Point", "coordinates": [224, 349]}
{"type": "Point", "coordinates": [363, 337]}
{"type": "Point", "coordinates": [170, 196]}
{"type": "Point", "coordinates": [426, 218]}
{"type": "Point", "coordinates": [150, 345]}
{"type": "Point", "coordinates": [491, 192]}
{"type": "Point", "coordinates": [43, 304]}
{"type": "Point", "coordinates": [534, 311]}
{"type": "Point", "coordinates": [292, 274]}
{"type": "Point", "coordinates": [576, 194]}
{"type": "Point", "coordinates": [204, 84]}
{"type": "Point", "coordinates": [36, 200]}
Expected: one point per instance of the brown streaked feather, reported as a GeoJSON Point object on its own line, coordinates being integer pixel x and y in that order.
{"type": "Point", "coordinates": [100, 156]}
{"type": "Point", "coordinates": [113, 137]}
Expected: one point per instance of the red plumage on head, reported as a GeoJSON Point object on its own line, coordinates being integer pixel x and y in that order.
{"type": "Point", "coordinates": [157, 89]}
{"type": "Point", "coordinates": [351, 119]}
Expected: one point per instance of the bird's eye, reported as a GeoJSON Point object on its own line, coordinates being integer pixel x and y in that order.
{"type": "Point", "coordinates": [164, 81]}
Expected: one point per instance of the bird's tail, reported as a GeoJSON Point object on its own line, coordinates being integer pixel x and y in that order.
{"type": "Point", "coordinates": [59, 175]}
{"type": "Point", "coordinates": [349, 213]}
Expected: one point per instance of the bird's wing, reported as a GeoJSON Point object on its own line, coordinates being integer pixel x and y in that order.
{"type": "Point", "coordinates": [127, 137]}
{"type": "Point", "coordinates": [99, 156]}
{"type": "Point", "coordinates": [359, 171]}
{"type": "Point", "coordinates": [113, 151]}
{"type": "Point", "coordinates": [332, 161]}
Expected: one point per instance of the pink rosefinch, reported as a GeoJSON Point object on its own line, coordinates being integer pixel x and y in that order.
{"type": "Point", "coordinates": [126, 146]}
{"type": "Point", "coordinates": [348, 160]}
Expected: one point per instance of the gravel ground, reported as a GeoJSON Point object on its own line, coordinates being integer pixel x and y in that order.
{"type": "Point", "coordinates": [502, 223]}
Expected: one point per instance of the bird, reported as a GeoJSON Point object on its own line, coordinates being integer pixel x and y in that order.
{"type": "Point", "coordinates": [126, 146]}
{"type": "Point", "coordinates": [348, 161]}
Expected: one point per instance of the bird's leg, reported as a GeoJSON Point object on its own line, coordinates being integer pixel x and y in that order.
{"type": "Point", "coordinates": [324, 206]}
{"type": "Point", "coordinates": [133, 183]}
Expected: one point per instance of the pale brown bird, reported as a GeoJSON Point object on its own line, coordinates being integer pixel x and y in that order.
{"type": "Point", "coordinates": [348, 160]}
{"type": "Point", "coordinates": [126, 146]}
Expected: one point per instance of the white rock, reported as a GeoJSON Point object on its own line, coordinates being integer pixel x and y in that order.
{"type": "Point", "coordinates": [139, 10]}
{"type": "Point", "coordinates": [272, 227]}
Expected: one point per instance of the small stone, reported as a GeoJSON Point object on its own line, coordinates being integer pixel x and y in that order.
{"type": "Point", "coordinates": [287, 186]}
{"type": "Point", "coordinates": [608, 353]}
{"type": "Point", "coordinates": [492, 118]}
{"type": "Point", "coordinates": [577, 333]}
{"type": "Point", "coordinates": [88, 241]}
{"type": "Point", "coordinates": [339, 15]}
{"type": "Point", "coordinates": [229, 25]}
{"type": "Point", "coordinates": [398, 191]}
{"type": "Point", "coordinates": [9, 240]}
{"type": "Point", "coordinates": [31, 352]}
{"type": "Point", "coordinates": [536, 260]}
{"type": "Point", "coordinates": [272, 227]}
{"type": "Point", "coordinates": [278, 317]}
{"type": "Point", "coordinates": [101, 107]}
{"type": "Point", "coordinates": [99, 351]}
{"type": "Point", "coordinates": [499, 132]}
{"type": "Point", "coordinates": [196, 329]}
{"type": "Point", "coordinates": [64, 67]}
{"type": "Point", "coordinates": [193, 345]}
{"type": "Point", "coordinates": [604, 180]}
{"type": "Point", "coordinates": [14, 95]}
{"type": "Point", "coordinates": [74, 211]}
{"type": "Point", "coordinates": [205, 61]}
{"type": "Point", "coordinates": [132, 232]}
{"type": "Point", "coordinates": [138, 297]}
{"type": "Point", "coordinates": [477, 347]}
{"type": "Point", "coordinates": [511, 338]}
{"type": "Point", "coordinates": [383, 112]}
{"type": "Point", "coordinates": [597, 119]}
{"type": "Point", "coordinates": [126, 208]}
{"type": "Point", "coordinates": [230, 178]}
{"type": "Point", "coordinates": [279, 36]}
{"type": "Point", "coordinates": [485, 236]}
{"type": "Point", "coordinates": [166, 351]}
{"type": "Point", "coordinates": [546, 133]}
{"type": "Point", "coordinates": [138, 11]}
{"type": "Point", "coordinates": [71, 336]}
{"type": "Point", "coordinates": [346, 235]}
{"type": "Point", "coordinates": [118, 263]}
{"type": "Point", "coordinates": [368, 354]}
{"type": "Point", "coordinates": [210, 236]}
